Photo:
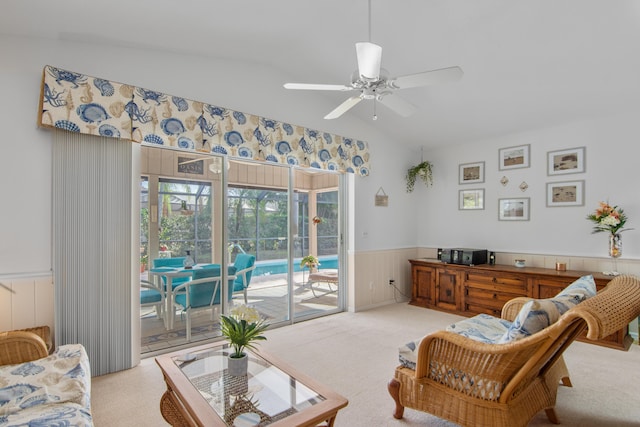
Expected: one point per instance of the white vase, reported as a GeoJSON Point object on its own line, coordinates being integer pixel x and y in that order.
{"type": "Point", "coordinates": [237, 366]}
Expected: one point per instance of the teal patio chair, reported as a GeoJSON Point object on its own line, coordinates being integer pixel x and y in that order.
{"type": "Point", "coordinates": [202, 292]}
{"type": "Point", "coordinates": [244, 264]}
{"type": "Point", "coordinates": [151, 295]}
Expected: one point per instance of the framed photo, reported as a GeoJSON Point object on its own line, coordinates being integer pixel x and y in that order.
{"type": "Point", "coordinates": [568, 193]}
{"type": "Point", "coordinates": [516, 209]}
{"type": "Point", "coordinates": [471, 173]}
{"type": "Point", "coordinates": [471, 199]}
{"type": "Point", "coordinates": [564, 162]}
{"type": "Point", "coordinates": [514, 157]}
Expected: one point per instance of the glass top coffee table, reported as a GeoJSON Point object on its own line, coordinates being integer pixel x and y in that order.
{"type": "Point", "coordinates": [200, 392]}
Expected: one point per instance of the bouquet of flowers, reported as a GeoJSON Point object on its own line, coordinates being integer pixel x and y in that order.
{"type": "Point", "coordinates": [610, 219]}
{"type": "Point", "coordinates": [242, 327]}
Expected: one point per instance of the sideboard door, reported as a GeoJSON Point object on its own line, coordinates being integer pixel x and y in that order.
{"type": "Point", "coordinates": [424, 284]}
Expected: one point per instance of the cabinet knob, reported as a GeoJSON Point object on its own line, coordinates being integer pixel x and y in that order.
{"type": "Point", "coordinates": [494, 280]}
{"type": "Point", "coordinates": [495, 296]}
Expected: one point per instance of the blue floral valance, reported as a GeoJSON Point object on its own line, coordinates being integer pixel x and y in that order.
{"type": "Point", "coordinates": [91, 105]}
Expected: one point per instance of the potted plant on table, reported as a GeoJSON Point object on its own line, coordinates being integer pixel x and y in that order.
{"type": "Point", "coordinates": [242, 327]}
{"type": "Point", "coordinates": [310, 261]}
{"type": "Point", "coordinates": [143, 262]}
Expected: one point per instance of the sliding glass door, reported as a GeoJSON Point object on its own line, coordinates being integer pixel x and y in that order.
{"type": "Point", "coordinates": [264, 221]}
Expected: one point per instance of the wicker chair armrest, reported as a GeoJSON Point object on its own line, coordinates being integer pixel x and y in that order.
{"type": "Point", "coordinates": [512, 307]}
{"type": "Point", "coordinates": [21, 346]}
{"type": "Point", "coordinates": [446, 353]}
{"type": "Point", "coordinates": [613, 308]}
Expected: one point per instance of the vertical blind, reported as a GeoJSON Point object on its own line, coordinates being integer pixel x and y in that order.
{"type": "Point", "coordinates": [92, 193]}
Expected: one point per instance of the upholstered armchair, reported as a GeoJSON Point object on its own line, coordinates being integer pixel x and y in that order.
{"type": "Point", "coordinates": [476, 383]}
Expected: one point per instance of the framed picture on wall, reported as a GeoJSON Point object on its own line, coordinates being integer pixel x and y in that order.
{"type": "Point", "coordinates": [564, 162]}
{"type": "Point", "coordinates": [514, 157]}
{"type": "Point", "coordinates": [471, 173]}
{"type": "Point", "coordinates": [471, 199]}
{"type": "Point", "coordinates": [568, 193]}
{"type": "Point", "coordinates": [515, 209]}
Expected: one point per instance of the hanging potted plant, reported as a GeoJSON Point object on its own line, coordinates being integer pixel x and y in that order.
{"type": "Point", "coordinates": [184, 209]}
{"type": "Point", "coordinates": [422, 171]}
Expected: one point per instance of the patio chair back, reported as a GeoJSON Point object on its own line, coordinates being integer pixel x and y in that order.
{"type": "Point", "coordinates": [244, 264]}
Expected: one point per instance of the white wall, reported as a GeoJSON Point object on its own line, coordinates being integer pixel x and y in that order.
{"type": "Point", "coordinates": [612, 153]}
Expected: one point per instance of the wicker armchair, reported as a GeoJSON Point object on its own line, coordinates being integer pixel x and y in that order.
{"type": "Point", "coordinates": [478, 384]}
{"type": "Point", "coordinates": [24, 345]}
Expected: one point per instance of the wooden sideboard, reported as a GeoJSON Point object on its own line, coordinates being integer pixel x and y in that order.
{"type": "Point", "coordinates": [471, 290]}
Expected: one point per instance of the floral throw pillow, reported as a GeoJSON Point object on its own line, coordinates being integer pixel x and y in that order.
{"type": "Point", "coordinates": [537, 314]}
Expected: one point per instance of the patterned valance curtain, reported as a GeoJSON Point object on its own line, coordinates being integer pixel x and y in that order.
{"type": "Point", "coordinates": [79, 103]}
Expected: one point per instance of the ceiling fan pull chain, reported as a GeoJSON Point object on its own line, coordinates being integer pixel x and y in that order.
{"type": "Point", "coordinates": [375, 103]}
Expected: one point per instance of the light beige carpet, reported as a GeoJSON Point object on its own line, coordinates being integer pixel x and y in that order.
{"type": "Point", "coordinates": [356, 354]}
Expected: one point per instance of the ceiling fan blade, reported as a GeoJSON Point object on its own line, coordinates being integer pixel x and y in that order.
{"type": "Point", "coordinates": [397, 104]}
{"type": "Point", "coordinates": [343, 108]}
{"type": "Point", "coordinates": [313, 86]}
{"type": "Point", "coordinates": [426, 78]}
{"type": "Point", "coordinates": [192, 160]}
{"type": "Point", "coordinates": [369, 59]}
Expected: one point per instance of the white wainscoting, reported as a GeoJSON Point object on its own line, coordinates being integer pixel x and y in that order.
{"type": "Point", "coordinates": [26, 300]}
{"type": "Point", "coordinates": [372, 271]}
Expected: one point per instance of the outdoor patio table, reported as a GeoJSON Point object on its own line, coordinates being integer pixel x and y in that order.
{"type": "Point", "coordinates": [169, 275]}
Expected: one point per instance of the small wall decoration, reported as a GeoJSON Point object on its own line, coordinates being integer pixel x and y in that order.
{"type": "Point", "coordinates": [381, 198]}
{"type": "Point", "coordinates": [514, 157]}
{"type": "Point", "coordinates": [515, 209]}
{"type": "Point", "coordinates": [471, 199]}
{"type": "Point", "coordinates": [471, 173]}
{"type": "Point", "coordinates": [564, 162]}
{"type": "Point", "coordinates": [190, 165]}
{"type": "Point", "coordinates": [523, 186]}
{"type": "Point", "coordinates": [504, 181]}
{"type": "Point", "coordinates": [568, 193]}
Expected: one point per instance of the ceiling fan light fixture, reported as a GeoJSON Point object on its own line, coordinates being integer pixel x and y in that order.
{"type": "Point", "coordinates": [369, 60]}
{"type": "Point", "coordinates": [216, 165]}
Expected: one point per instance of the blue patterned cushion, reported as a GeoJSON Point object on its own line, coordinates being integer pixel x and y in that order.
{"type": "Point", "coordinates": [536, 315]}
{"type": "Point", "coordinates": [408, 354]}
{"type": "Point", "coordinates": [483, 328]}
{"type": "Point", "coordinates": [52, 391]}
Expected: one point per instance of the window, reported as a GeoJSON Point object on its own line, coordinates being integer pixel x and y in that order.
{"type": "Point", "coordinates": [184, 209]}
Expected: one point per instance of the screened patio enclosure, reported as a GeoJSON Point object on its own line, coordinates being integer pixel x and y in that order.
{"type": "Point", "coordinates": [213, 210]}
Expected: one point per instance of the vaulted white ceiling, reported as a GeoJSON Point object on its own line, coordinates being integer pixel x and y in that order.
{"type": "Point", "coordinates": [527, 64]}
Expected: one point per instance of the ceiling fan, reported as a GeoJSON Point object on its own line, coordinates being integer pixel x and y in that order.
{"type": "Point", "coordinates": [373, 82]}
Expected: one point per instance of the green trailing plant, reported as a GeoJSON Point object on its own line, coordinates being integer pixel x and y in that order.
{"type": "Point", "coordinates": [242, 327]}
{"type": "Point", "coordinates": [423, 171]}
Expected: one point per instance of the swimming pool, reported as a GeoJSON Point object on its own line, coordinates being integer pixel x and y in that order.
{"type": "Point", "coordinates": [279, 266]}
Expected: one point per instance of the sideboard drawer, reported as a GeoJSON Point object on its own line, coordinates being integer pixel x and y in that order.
{"type": "Point", "coordinates": [497, 282]}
